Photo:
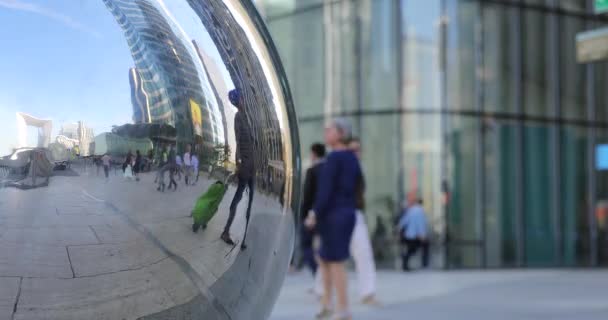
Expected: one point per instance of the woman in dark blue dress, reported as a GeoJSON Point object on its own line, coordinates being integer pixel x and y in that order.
{"type": "Point", "coordinates": [334, 214]}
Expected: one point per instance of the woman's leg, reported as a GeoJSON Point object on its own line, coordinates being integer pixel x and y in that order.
{"type": "Point", "coordinates": [338, 277]}
{"type": "Point", "coordinates": [327, 284]}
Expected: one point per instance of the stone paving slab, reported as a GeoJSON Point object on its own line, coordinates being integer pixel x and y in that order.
{"type": "Point", "coordinates": [117, 233]}
{"type": "Point", "coordinates": [107, 258]}
{"type": "Point", "coordinates": [173, 280]}
{"type": "Point", "coordinates": [20, 260]}
{"type": "Point", "coordinates": [9, 289]}
{"type": "Point", "coordinates": [50, 236]}
{"type": "Point", "coordinates": [53, 220]}
{"type": "Point", "coordinates": [101, 297]}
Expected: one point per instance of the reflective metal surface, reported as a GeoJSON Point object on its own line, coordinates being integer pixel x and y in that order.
{"type": "Point", "coordinates": [130, 131]}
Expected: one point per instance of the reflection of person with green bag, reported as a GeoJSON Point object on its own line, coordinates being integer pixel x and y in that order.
{"type": "Point", "coordinates": [207, 204]}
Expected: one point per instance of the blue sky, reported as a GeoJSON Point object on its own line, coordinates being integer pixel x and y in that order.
{"type": "Point", "coordinates": [68, 60]}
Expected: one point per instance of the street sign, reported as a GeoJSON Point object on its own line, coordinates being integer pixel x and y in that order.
{"type": "Point", "coordinates": [601, 157]}
{"type": "Point", "coordinates": [592, 45]}
{"type": "Point", "coordinates": [601, 6]}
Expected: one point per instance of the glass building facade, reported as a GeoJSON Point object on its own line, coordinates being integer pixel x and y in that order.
{"type": "Point", "coordinates": [168, 85]}
{"type": "Point", "coordinates": [479, 106]}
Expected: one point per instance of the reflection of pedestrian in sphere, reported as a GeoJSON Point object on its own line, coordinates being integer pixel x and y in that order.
{"type": "Point", "coordinates": [195, 167]}
{"type": "Point", "coordinates": [244, 165]}
{"type": "Point", "coordinates": [187, 165]}
{"type": "Point", "coordinates": [128, 161]}
{"type": "Point", "coordinates": [138, 165]}
{"type": "Point", "coordinates": [105, 160]}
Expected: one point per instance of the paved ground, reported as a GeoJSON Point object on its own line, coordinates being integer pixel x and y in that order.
{"type": "Point", "coordinates": [84, 248]}
{"type": "Point", "coordinates": [508, 295]}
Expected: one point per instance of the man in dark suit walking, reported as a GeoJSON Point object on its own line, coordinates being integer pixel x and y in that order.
{"type": "Point", "coordinates": [317, 153]}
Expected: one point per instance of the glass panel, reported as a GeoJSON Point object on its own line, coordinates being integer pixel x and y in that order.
{"type": "Point", "coordinates": [574, 208]}
{"type": "Point", "coordinates": [497, 71]}
{"type": "Point", "coordinates": [463, 223]}
{"type": "Point", "coordinates": [339, 34]}
{"type": "Point", "coordinates": [310, 132]}
{"type": "Point", "coordinates": [601, 205]}
{"type": "Point", "coordinates": [535, 84]}
{"type": "Point", "coordinates": [303, 59]}
{"type": "Point", "coordinates": [273, 9]}
{"type": "Point", "coordinates": [464, 256]}
{"type": "Point", "coordinates": [601, 94]}
{"type": "Point", "coordinates": [572, 74]}
{"type": "Point", "coordinates": [461, 54]}
{"type": "Point", "coordinates": [538, 179]}
{"type": "Point", "coordinates": [380, 152]}
{"type": "Point", "coordinates": [572, 5]}
{"type": "Point", "coordinates": [378, 55]}
{"type": "Point", "coordinates": [500, 187]}
{"type": "Point", "coordinates": [421, 165]}
{"type": "Point", "coordinates": [421, 83]}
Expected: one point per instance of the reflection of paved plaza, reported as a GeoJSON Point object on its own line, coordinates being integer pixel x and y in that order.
{"type": "Point", "coordinates": [84, 248]}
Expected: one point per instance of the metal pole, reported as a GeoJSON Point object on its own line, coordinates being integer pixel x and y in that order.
{"type": "Point", "coordinates": [480, 198]}
{"type": "Point", "coordinates": [516, 65]}
{"type": "Point", "coordinates": [399, 43]}
{"type": "Point", "coordinates": [553, 103]}
{"type": "Point", "coordinates": [444, 130]}
{"type": "Point", "coordinates": [358, 61]}
{"type": "Point", "coordinates": [591, 138]}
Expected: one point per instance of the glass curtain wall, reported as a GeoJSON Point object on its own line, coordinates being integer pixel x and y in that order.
{"type": "Point", "coordinates": [479, 107]}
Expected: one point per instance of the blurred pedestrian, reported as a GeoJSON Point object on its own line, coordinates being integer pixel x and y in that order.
{"type": "Point", "coordinates": [360, 244]}
{"type": "Point", "coordinates": [174, 167]}
{"type": "Point", "coordinates": [195, 168]}
{"type": "Point", "coordinates": [334, 216]}
{"type": "Point", "coordinates": [317, 154]}
{"type": "Point", "coordinates": [105, 160]}
{"type": "Point", "coordinates": [150, 160]}
{"type": "Point", "coordinates": [413, 228]}
{"type": "Point", "coordinates": [128, 161]}
{"type": "Point", "coordinates": [187, 165]}
{"type": "Point", "coordinates": [137, 167]}
{"type": "Point", "coordinates": [164, 157]}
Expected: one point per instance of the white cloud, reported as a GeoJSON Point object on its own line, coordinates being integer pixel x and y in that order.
{"type": "Point", "coordinates": [33, 8]}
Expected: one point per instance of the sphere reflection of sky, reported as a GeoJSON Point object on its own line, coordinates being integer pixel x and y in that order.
{"type": "Point", "coordinates": [76, 57]}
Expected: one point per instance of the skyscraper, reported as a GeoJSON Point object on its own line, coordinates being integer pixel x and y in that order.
{"type": "Point", "coordinates": [139, 98]}
{"type": "Point", "coordinates": [219, 88]}
{"type": "Point", "coordinates": [248, 76]}
{"type": "Point", "coordinates": [168, 73]}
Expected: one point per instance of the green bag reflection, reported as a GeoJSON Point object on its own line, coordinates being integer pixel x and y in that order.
{"type": "Point", "coordinates": [207, 204]}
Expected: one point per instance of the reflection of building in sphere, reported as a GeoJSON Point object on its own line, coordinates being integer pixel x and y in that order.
{"type": "Point", "coordinates": [44, 129]}
{"type": "Point", "coordinates": [66, 142]}
{"type": "Point", "coordinates": [80, 134]}
{"type": "Point", "coordinates": [248, 76]}
{"type": "Point", "coordinates": [218, 83]}
{"type": "Point", "coordinates": [139, 98]}
{"type": "Point", "coordinates": [169, 78]}
{"type": "Point", "coordinates": [213, 75]}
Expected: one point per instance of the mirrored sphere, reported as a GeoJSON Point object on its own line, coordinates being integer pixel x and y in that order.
{"type": "Point", "coordinates": [148, 161]}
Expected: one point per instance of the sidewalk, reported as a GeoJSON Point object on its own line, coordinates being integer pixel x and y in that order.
{"type": "Point", "coordinates": [466, 295]}
{"type": "Point", "coordinates": [85, 247]}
